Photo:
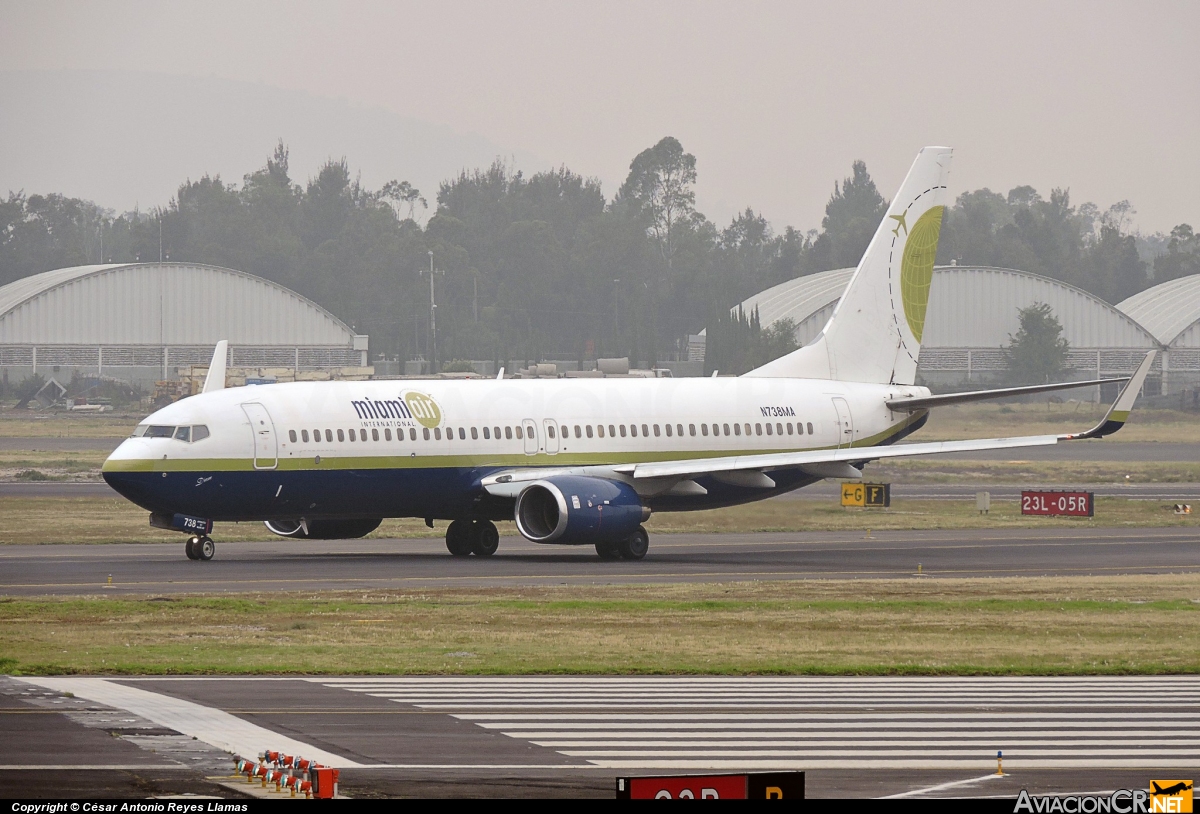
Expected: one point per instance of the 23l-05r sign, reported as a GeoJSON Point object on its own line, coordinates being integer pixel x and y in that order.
{"type": "Point", "coordinates": [1072, 504]}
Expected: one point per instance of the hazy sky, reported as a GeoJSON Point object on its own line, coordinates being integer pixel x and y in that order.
{"type": "Point", "coordinates": [774, 99]}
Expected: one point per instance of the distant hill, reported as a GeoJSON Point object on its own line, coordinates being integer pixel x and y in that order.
{"type": "Point", "coordinates": [129, 138]}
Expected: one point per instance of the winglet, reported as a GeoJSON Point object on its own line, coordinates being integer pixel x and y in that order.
{"type": "Point", "coordinates": [215, 380]}
{"type": "Point", "coordinates": [500, 375]}
{"type": "Point", "coordinates": [1114, 419]}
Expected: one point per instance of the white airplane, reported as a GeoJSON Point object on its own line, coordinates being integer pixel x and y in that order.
{"type": "Point", "coordinates": [573, 461]}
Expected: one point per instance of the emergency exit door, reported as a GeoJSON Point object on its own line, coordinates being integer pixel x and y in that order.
{"type": "Point", "coordinates": [845, 422]}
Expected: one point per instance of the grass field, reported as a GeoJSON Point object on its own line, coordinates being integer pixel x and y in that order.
{"type": "Point", "coordinates": [38, 520]}
{"type": "Point", "coordinates": [1040, 626]}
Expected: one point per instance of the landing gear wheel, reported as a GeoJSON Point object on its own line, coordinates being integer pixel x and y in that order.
{"type": "Point", "coordinates": [190, 548]}
{"type": "Point", "coordinates": [459, 538]}
{"type": "Point", "coordinates": [204, 548]}
{"type": "Point", "coordinates": [485, 538]}
{"type": "Point", "coordinates": [635, 546]}
{"type": "Point", "coordinates": [608, 551]}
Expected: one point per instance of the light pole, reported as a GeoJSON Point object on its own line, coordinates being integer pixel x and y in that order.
{"type": "Point", "coordinates": [432, 317]}
{"type": "Point", "coordinates": [616, 309]}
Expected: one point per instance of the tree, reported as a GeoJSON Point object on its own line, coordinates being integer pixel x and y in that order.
{"type": "Point", "coordinates": [1037, 352]}
{"type": "Point", "coordinates": [402, 193]}
{"type": "Point", "coordinates": [660, 185]}
{"type": "Point", "coordinates": [1182, 257]}
{"type": "Point", "coordinates": [851, 217]}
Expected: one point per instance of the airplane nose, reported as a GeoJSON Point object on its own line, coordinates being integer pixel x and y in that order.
{"type": "Point", "coordinates": [131, 472]}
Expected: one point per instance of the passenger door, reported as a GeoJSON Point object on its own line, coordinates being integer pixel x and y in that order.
{"type": "Point", "coordinates": [266, 450]}
{"type": "Point", "coordinates": [550, 428]}
{"type": "Point", "coordinates": [531, 439]}
{"type": "Point", "coordinates": [845, 428]}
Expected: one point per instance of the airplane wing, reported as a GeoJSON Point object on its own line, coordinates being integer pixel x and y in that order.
{"type": "Point", "coordinates": [925, 402]}
{"type": "Point", "coordinates": [828, 462]}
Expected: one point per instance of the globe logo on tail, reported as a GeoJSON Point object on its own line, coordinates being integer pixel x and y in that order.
{"type": "Point", "coordinates": [916, 268]}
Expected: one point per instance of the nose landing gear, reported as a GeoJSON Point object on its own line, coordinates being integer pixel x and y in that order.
{"type": "Point", "coordinates": [200, 548]}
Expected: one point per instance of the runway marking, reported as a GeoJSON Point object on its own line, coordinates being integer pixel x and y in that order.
{"type": "Point", "coordinates": [940, 787]}
{"type": "Point", "coordinates": [835, 722]}
{"type": "Point", "coordinates": [213, 726]}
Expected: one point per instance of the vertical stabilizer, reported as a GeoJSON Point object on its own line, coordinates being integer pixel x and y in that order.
{"type": "Point", "coordinates": [215, 380]}
{"type": "Point", "coordinates": [875, 332]}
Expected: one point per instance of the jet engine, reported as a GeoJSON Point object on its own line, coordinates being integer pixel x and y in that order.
{"type": "Point", "coordinates": [322, 529]}
{"type": "Point", "coordinates": [573, 510]}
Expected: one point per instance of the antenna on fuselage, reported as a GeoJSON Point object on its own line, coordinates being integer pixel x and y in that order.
{"type": "Point", "coordinates": [215, 380]}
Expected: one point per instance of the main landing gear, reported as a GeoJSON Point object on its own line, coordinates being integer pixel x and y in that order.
{"type": "Point", "coordinates": [200, 548]}
{"type": "Point", "coordinates": [633, 547]}
{"type": "Point", "coordinates": [478, 537]}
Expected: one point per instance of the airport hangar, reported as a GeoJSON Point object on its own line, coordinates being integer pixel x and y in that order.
{"type": "Point", "coordinates": [142, 322]}
{"type": "Point", "coordinates": [973, 313]}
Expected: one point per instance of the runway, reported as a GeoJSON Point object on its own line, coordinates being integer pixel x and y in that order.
{"type": "Point", "coordinates": [287, 565]}
{"type": "Point", "coordinates": [529, 736]}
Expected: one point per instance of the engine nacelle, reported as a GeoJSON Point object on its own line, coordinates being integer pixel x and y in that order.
{"type": "Point", "coordinates": [574, 510]}
{"type": "Point", "coordinates": [322, 529]}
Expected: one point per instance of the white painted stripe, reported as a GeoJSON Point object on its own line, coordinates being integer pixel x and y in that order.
{"type": "Point", "coordinates": [631, 704]}
{"type": "Point", "coordinates": [213, 726]}
{"type": "Point", "coordinates": [879, 742]}
{"type": "Point", "coordinates": [864, 753]}
{"type": "Point", "coordinates": [1186, 764]}
{"type": "Point", "coordinates": [873, 736]}
{"type": "Point", "coordinates": [87, 767]}
{"type": "Point", "coordinates": [918, 719]}
{"type": "Point", "coordinates": [941, 787]}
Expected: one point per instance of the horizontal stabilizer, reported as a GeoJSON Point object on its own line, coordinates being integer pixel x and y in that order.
{"type": "Point", "coordinates": [925, 402]}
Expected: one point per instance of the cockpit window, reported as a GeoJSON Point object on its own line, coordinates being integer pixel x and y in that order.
{"type": "Point", "coordinates": [194, 433]}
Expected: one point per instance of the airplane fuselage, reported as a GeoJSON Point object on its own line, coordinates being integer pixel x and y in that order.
{"type": "Point", "coordinates": [411, 448]}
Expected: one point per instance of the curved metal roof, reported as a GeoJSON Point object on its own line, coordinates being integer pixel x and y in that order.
{"type": "Point", "coordinates": [1170, 311]}
{"type": "Point", "coordinates": [161, 304]}
{"type": "Point", "coordinates": [969, 306]}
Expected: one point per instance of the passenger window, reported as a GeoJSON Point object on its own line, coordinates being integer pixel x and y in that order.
{"type": "Point", "coordinates": [387, 434]}
{"type": "Point", "coordinates": [768, 428]}
{"type": "Point", "coordinates": [612, 431]}
{"type": "Point", "coordinates": [550, 430]}
{"type": "Point", "coordinates": [778, 428]}
{"type": "Point", "coordinates": [632, 430]}
{"type": "Point", "coordinates": [487, 433]}
{"type": "Point", "coordinates": [351, 435]}
{"type": "Point", "coordinates": [679, 430]}
{"type": "Point", "coordinates": [530, 433]}
{"type": "Point", "coordinates": [704, 429]}
{"type": "Point", "coordinates": [810, 431]}
{"type": "Point", "coordinates": [600, 430]}
{"type": "Point", "coordinates": [462, 434]}
{"type": "Point", "coordinates": [668, 430]}
{"type": "Point", "coordinates": [291, 435]}
{"type": "Point", "coordinates": [716, 429]}
{"type": "Point", "coordinates": [341, 436]}
{"type": "Point", "coordinates": [199, 433]}
{"type": "Point", "coordinates": [589, 430]}
{"type": "Point", "coordinates": [737, 429]}
{"type": "Point", "coordinates": [789, 426]}
{"type": "Point", "coordinates": [329, 436]}
{"type": "Point", "coordinates": [496, 431]}
{"type": "Point", "coordinates": [185, 434]}
{"type": "Point", "coordinates": [304, 435]}
{"type": "Point", "coordinates": [656, 432]}
{"type": "Point", "coordinates": [566, 431]}
{"type": "Point", "coordinates": [437, 433]}
{"type": "Point", "coordinates": [519, 433]}
{"type": "Point", "coordinates": [579, 432]}
{"type": "Point", "coordinates": [375, 435]}
{"type": "Point", "coordinates": [692, 429]}
{"type": "Point", "coordinates": [726, 427]}
{"type": "Point", "coordinates": [412, 433]}
{"type": "Point", "coordinates": [621, 427]}
{"type": "Point", "coordinates": [747, 425]}
{"type": "Point", "coordinates": [508, 433]}
{"type": "Point", "coordinates": [425, 432]}
{"type": "Point", "coordinates": [475, 433]}
{"type": "Point", "coordinates": [449, 433]}
{"type": "Point", "coordinates": [645, 431]}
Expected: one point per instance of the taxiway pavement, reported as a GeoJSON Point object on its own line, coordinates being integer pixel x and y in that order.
{"type": "Point", "coordinates": [571, 736]}
{"type": "Point", "coordinates": [287, 565]}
